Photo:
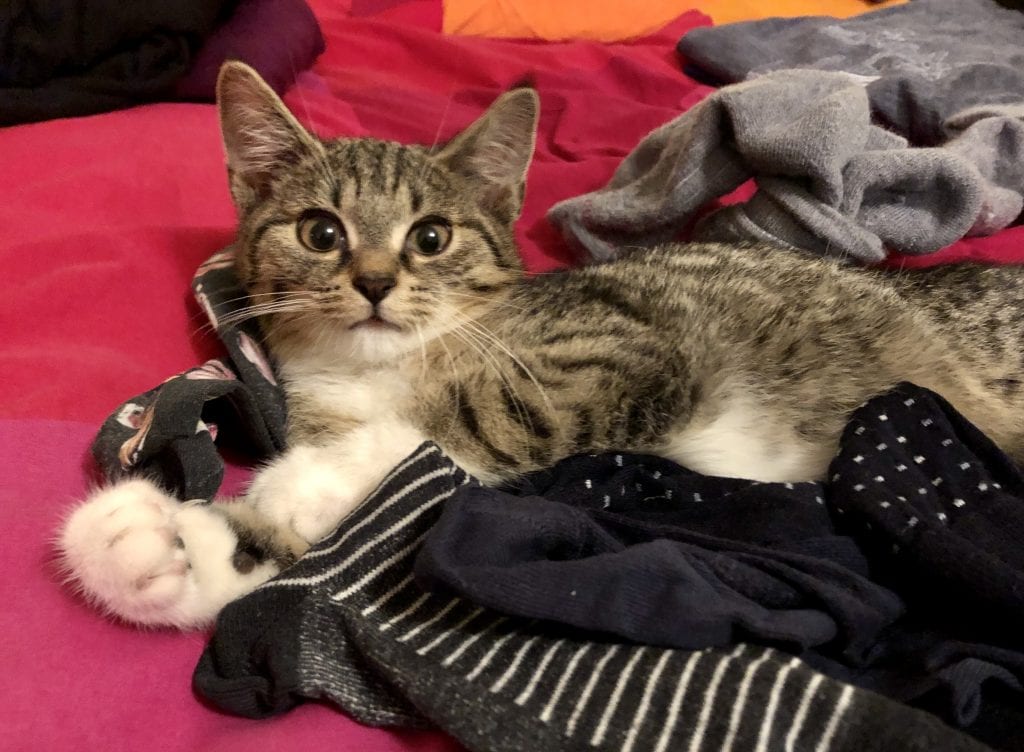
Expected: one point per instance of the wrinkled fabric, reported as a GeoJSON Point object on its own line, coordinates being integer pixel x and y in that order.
{"type": "Point", "coordinates": [902, 573]}
{"type": "Point", "coordinates": [828, 179]}
{"type": "Point", "coordinates": [105, 221]}
{"type": "Point", "coordinates": [60, 58]}
{"type": "Point", "coordinates": [279, 38]}
{"type": "Point", "coordinates": [932, 58]}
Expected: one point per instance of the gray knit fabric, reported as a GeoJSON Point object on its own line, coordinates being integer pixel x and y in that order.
{"type": "Point", "coordinates": [992, 139]}
{"type": "Point", "coordinates": [932, 58]}
{"type": "Point", "coordinates": [348, 624]}
{"type": "Point", "coordinates": [828, 179]}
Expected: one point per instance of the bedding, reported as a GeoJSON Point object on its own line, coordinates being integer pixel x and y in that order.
{"type": "Point", "coordinates": [900, 574]}
{"type": "Point", "coordinates": [604, 21]}
{"type": "Point", "coordinates": [279, 38]}
{"type": "Point", "coordinates": [64, 57]}
{"type": "Point", "coordinates": [105, 219]}
{"type": "Point", "coordinates": [60, 58]}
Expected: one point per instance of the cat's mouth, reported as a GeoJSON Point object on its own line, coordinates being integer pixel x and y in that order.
{"type": "Point", "coordinates": [375, 322]}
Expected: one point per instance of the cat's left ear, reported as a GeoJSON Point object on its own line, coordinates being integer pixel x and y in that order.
{"type": "Point", "coordinates": [261, 138]}
{"type": "Point", "coordinates": [495, 151]}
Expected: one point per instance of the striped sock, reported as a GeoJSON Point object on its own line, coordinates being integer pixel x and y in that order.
{"type": "Point", "coordinates": [348, 623]}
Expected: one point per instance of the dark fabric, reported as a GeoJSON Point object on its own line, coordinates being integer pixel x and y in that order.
{"type": "Point", "coordinates": [902, 573]}
{"type": "Point", "coordinates": [279, 38]}
{"type": "Point", "coordinates": [633, 548]}
{"type": "Point", "coordinates": [169, 433]}
{"type": "Point", "coordinates": [933, 58]}
{"type": "Point", "coordinates": [347, 624]}
{"type": "Point", "coordinates": [60, 58]}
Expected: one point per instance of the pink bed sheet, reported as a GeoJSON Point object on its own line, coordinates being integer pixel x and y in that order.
{"type": "Point", "coordinates": [104, 220]}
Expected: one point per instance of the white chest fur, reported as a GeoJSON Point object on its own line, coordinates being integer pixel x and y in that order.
{"type": "Point", "coordinates": [363, 394]}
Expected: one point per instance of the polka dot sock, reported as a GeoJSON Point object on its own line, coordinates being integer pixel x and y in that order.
{"type": "Point", "coordinates": [921, 483]}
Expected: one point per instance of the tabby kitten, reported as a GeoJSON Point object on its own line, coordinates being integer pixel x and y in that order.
{"type": "Point", "coordinates": [397, 311]}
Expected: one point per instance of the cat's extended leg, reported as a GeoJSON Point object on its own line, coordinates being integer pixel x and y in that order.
{"type": "Point", "coordinates": [150, 559]}
{"type": "Point", "coordinates": [310, 489]}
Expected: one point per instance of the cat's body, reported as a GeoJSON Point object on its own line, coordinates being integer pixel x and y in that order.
{"type": "Point", "coordinates": [396, 309]}
{"type": "Point", "coordinates": [737, 361]}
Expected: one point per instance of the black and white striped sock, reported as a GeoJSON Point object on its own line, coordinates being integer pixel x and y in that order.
{"type": "Point", "coordinates": [349, 624]}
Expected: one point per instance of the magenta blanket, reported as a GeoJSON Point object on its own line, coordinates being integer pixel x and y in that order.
{"type": "Point", "coordinates": [104, 220]}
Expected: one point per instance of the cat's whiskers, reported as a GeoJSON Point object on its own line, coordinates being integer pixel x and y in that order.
{"type": "Point", "coordinates": [455, 374]}
{"type": "Point", "coordinates": [322, 331]}
{"type": "Point", "coordinates": [251, 312]}
{"type": "Point", "coordinates": [486, 332]}
{"type": "Point", "coordinates": [489, 343]}
{"type": "Point", "coordinates": [258, 310]}
{"type": "Point", "coordinates": [272, 328]}
{"type": "Point", "coordinates": [229, 318]}
{"type": "Point", "coordinates": [486, 299]}
{"type": "Point", "coordinates": [210, 327]}
{"type": "Point", "coordinates": [437, 133]}
{"type": "Point", "coordinates": [480, 346]}
{"type": "Point", "coordinates": [276, 294]}
{"type": "Point", "coordinates": [423, 351]}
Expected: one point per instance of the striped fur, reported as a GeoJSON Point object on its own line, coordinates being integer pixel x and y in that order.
{"type": "Point", "coordinates": [739, 361]}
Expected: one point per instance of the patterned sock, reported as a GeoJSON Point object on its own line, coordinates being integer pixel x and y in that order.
{"type": "Point", "coordinates": [349, 624]}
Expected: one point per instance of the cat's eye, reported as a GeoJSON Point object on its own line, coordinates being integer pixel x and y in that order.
{"type": "Point", "coordinates": [321, 232]}
{"type": "Point", "coordinates": [429, 237]}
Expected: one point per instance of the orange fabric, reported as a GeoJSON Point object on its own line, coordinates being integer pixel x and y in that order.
{"type": "Point", "coordinates": [614, 20]}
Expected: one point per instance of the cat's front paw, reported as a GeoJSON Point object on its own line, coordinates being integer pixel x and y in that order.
{"type": "Point", "coordinates": [149, 559]}
{"type": "Point", "coordinates": [305, 492]}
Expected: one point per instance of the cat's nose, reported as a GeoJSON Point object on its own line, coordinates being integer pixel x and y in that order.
{"type": "Point", "coordinates": [374, 287]}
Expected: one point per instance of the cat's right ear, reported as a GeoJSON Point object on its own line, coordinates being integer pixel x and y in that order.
{"type": "Point", "coordinates": [494, 152]}
{"type": "Point", "coordinates": [261, 138]}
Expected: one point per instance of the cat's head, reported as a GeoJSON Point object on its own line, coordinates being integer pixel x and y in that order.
{"type": "Point", "coordinates": [369, 247]}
